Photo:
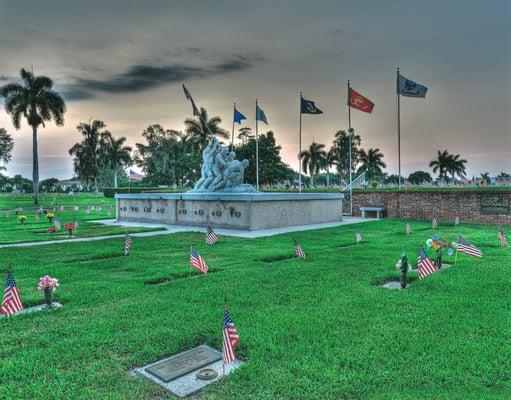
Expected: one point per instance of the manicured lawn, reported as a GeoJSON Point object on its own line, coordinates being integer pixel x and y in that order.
{"type": "Point", "coordinates": [32, 230]}
{"type": "Point", "coordinates": [319, 328]}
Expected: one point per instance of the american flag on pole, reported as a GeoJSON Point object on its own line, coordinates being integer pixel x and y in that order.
{"type": "Point", "coordinates": [298, 250]}
{"type": "Point", "coordinates": [11, 303]}
{"type": "Point", "coordinates": [198, 262]}
{"type": "Point", "coordinates": [128, 242]}
{"type": "Point", "coordinates": [211, 236]}
{"type": "Point", "coordinates": [230, 338]}
{"type": "Point", "coordinates": [503, 239]}
{"type": "Point", "coordinates": [408, 229]}
{"type": "Point", "coordinates": [456, 220]}
{"type": "Point", "coordinates": [188, 95]}
{"type": "Point", "coordinates": [464, 246]}
{"type": "Point", "coordinates": [424, 265]}
{"type": "Point", "coordinates": [358, 237]}
{"type": "Point", "coordinates": [434, 223]}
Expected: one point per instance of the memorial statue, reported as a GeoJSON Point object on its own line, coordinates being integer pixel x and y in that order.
{"type": "Point", "coordinates": [221, 172]}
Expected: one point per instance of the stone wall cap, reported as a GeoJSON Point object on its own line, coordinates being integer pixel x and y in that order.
{"type": "Point", "coordinates": [230, 196]}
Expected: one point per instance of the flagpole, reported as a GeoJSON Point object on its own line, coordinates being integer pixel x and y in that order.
{"type": "Point", "coordinates": [398, 129]}
{"type": "Point", "coordinates": [350, 132]}
{"type": "Point", "coordinates": [257, 150]}
{"type": "Point", "coordinates": [232, 137]}
{"type": "Point", "coordinates": [456, 257]}
{"type": "Point", "coordinates": [300, 149]}
{"type": "Point", "coordinates": [223, 363]}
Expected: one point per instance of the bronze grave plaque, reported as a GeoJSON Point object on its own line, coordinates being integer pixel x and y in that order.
{"type": "Point", "coordinates": [183, 363]}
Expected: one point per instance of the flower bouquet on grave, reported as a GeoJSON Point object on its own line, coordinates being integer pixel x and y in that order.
{"type": "Point", "coordinates": [70, 227]}
{"type": "Point", "coordinates": [439, 245]}
{"type": "Point", "coordinates": [49, 216]}
{"type": "Point", "coordinates": [47, 285]}
{"type": "Point", "coordinates": [52, 229]}
{"type": "Point", "coordinates": [22, 219]}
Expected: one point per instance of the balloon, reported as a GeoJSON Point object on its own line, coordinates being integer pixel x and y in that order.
{"type": "Point", "coordinates": [429, 243]}
{"type": "Point", "coordinates": [450, 251]}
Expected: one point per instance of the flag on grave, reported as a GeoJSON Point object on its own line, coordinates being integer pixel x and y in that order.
{"type": "Point", "coordinates": [230, 340]}
{"type": "Point", "coordinates": [211, 236]}
{"type": "Point", "coordinates": [408, 229]}
{"type": "Point", "coordinates": [503, 239]}
{"type": "Point", "coordinates": [424, 265]}
{"type": "Point", "coordinates": [198, 262]}
{"type": "Point", "coordinates": [358, 237]}
{"type": "Point", "coordinates": [128, 242]}
{"type": "Point", "coordinates": [298, 250]}
{"type": "Point", "coordinates": [464, 246]}
{"type": "Point", "coordinates": [11, 303]}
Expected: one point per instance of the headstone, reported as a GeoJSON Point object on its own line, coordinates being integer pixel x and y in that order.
{"type": "Point", "coordinates": [188, 372]}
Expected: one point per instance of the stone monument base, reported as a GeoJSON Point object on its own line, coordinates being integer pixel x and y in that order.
{"type": "Point", "coordinates": [243, 211]}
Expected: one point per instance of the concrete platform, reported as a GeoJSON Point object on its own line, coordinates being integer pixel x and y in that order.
{"type": "Point", "coordinates": [239, 211]}
{"type": "Point", "coordinates": [237, 232]}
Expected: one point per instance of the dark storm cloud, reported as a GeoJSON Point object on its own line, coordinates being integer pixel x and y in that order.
{"type": "Point", "coordinates": [145, 77]}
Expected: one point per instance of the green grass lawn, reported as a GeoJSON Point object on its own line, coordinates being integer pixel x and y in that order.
{"type": "Point", "coordinates": [320, 328]}
{"type": "Point", "coordinates": [12, 231]}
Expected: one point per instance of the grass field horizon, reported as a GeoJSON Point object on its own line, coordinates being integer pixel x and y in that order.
{"type": "Point", "coordinates": [320, 328]}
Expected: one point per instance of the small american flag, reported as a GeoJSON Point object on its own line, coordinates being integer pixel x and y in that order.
{"type": "Point", "coordinates": [503, 239]}
{"type": "Point", "coordinates": [188, 95]}
{"type": "Point", "coordinates": [298, 250]}
{"type": "Point", "coordinates": [230, 339]}
{"type": "Point", "coordinates": [198, 262]}
{"type": "Point", "coordinates": [408, 229]}
{"type": "Point", "coordinates": [456, 220]}
{"type": "Point", "coordinates": [211, 236]}
{"type": "Point", "coordinates": [128, 242]}
{"type": "Point", "coordinates": [424, 264]}
{"type": "Point", "coordinates": [11, 303]}
{"type": "Point", "coordinates": [358, 237]}
{"type": "Point", "coordinates": [464, 246]}
{"type": "Point", "coordinates": [434, 223]}
{"type": "Point", "coordinates": [56, 225]}
{"type": "Point", "coordinates": [76, 225]}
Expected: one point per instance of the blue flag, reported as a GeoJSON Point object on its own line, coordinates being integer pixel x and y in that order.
{"type": "Point", "coordinates": [309, 107]}
{"type": "Point", "coordinates": [260, 116]}
{"type": "Point", "coordinates": [408, 88]}
{"type": "Point", "coordinates": [238, 117]}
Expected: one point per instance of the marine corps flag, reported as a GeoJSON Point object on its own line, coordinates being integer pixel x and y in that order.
{"type": "Point", "coordinates": [356, 100]}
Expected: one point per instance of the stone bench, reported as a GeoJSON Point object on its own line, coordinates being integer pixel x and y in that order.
{"type": "Point", "coordinates": [377, 210]}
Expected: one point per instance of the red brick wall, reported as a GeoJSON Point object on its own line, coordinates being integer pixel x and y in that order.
{"type": "Point", "coordinates": [486, 206]}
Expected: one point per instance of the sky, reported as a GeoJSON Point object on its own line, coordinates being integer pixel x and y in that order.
{"type": "Point", "coordinates": [124, 61]}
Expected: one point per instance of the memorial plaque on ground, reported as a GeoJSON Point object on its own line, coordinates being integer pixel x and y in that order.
{"type": "Point", "coordinates": [181, 364]}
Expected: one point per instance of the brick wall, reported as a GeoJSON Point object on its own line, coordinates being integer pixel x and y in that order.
{"type": "Point", "coordinates": [486, 206]}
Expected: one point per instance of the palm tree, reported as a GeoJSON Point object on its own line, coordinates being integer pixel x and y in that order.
{"type": "Point", "coordinates": [340, 147]}
{"type": "Point", "coordinates": [199, 132]}
{"type": "Point", "coordinates": [6, 146]}
{"type": "Point", "coordinates": [35, 100]}
{"type": "Point", "coordinates": [371, 162]}
{"type": "Point", "coordinates": [456, 166]}
{"type": "Point", "coordinates": [485, 178]}
{"type": "Point", "coordinates": [116, 155]}
{"type": "Point", "coordinates": [329, 161]}
{"type": "Point", "coordinates": [441, 164]}
{"type": "Point", "coordinates": [313, 159]}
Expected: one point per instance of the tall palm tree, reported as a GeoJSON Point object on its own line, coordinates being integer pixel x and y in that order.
{"type": "Point", "coordinates": [313, 159]}
{"type": "Point", "coordinates": [116, 155]}
{"type": "Point", "coordinates": [199, 132]}
{"type": "Point", "coordinates": [441, 164]}
{"type": "Point", "coordinates": [371, 162]}
{"type": "Point", "coordinates": [6, 146]}
{"type": "Point", "coordinates": [329, 161]}
{"type": "Point", "coordinates": [35, 100]}
{"type": "Point", "coordinates": [456, 166]}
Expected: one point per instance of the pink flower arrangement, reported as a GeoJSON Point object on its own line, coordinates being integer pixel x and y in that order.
{"type": "Point", "coordinates": [47, 282]}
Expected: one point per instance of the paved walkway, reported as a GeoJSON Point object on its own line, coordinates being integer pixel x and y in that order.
{"type": "Point", "coordinates": [171, 229]}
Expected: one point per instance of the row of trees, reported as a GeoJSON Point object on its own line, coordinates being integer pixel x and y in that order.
{"type": "Point", "coordinates": [173, 157]}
